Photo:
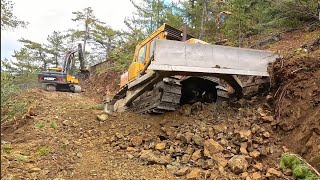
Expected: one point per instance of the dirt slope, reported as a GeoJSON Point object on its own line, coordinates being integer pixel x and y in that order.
{"type": "Point", "coordinates": [297, 105]}
{"type": "Point", "coordinates": [77, 147]}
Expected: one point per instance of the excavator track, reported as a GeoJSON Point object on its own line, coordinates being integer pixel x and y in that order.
{"type": "Point", "coordinates": [163, 98]}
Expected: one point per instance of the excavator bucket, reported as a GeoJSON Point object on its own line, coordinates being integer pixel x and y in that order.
{"type": "Point", "coordinates": [176, 56]}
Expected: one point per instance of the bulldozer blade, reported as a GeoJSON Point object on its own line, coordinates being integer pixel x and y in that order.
{"type": "Point", "coordinates": [175, 56]}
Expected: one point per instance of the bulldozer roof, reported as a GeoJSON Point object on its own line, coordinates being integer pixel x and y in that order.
{"type": "Point", "coordinates": [172, 34]}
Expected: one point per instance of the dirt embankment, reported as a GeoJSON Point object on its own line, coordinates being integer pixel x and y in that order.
{"type": "Point", "coordinates": [103, 79]}
{"type": "Point", "coordinates": [296, 83]}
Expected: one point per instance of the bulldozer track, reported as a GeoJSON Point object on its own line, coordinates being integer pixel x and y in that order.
{"type": "Point", "coordinates": [163, 98]}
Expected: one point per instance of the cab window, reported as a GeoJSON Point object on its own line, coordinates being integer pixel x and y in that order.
{"type": "Point", "coordinates": [152, 45]}
{"type": "Point", "coordinates": [142, 54]}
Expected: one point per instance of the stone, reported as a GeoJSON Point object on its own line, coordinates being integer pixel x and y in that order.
{"type": "Point", "coordinates": [273, 172]}
{"type": "Point", "coordinates": [186, 137]}
{"type": "Point", "coordinates": [266, 134]}
{"type": "Point", "coordinates": [102, 117]}
{"type": "Point", "coordinates": [35, 169]}
{"type": "Point", "coordinates": [256, 175]}
{"type": "Point", "coordinates": [151, 158]}
{"type": "Point", "coordinates": [198, 140]}
{"type": "Point", "coordinates": [137, 140]}
{"type": "Point", "coordinates": [220, 128]}
{"type": "Point", "coordinates": [172, 169]}
{"type": "Point", "coordinates": [183, 171]}
{"type": "Point", "coordinates": [210, 132]}
{"type": "Point", "coordinates": [220, 160]}
{"type": "Point", "coordinates": [208, 164]}
{"type": "Point", "coordinates": [196, 155]}
{"type": "Point", "coordinates": [194, 174]}
{"type": "Point", "coordinates": [244, 174]}
{"type": "Point", "coordinates": [130, 156]}
{"type": "Point", "coordinates": [258, 166]}
{"type": "Point", "coordinates": [243, 150]}
{"type": "Point", "coordinates": [185, 158]}
{"type": "Point", "coordinates": [186, 110]}
{"type": "Point", "coordinates": [160, 146]}
{"type": "Point", "coordinates": [245, 135]}
{"type": "Point", "coordinates": [267, 119]}
{"type": "Point", "coordinates": [211, 147]}
{"type": "Point", "coordinates": [131, 149]}
{"type": "Point", "coordinates": [238, 164]}
{"type": "Point", "coordinates": [254, 154]}
{"type": "Point", "coordinates": [189, 150]}
{"type": "Point", "coordinates": [79, 155]}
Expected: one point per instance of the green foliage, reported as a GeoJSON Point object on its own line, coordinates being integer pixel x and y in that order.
{"type": "Point", "coordinates": [298, 167]}
{"type": "Point", "coordinates": [56, 46]}
{"type": "Point", "coordinates": [8, 19]}
{"type": "Point", "coordinates": [8, 89]}
{"type": "Point", "coordinates": [289, 161]}
{"type": "Point", "coordinates": [303, 172]}
{"type": "Point", "coordinates": [21, 158]}
{"type": "Point", "coordinates": [39, 125]}
{"type": "Point", "coordinates": [53, 124]}
{"type": "Point", "coordinates": [43, 151]}
{"type": "Point", "coordinates": [6, 148]}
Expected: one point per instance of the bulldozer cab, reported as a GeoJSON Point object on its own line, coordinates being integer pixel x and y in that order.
{"type": "Point", "coordinates": [144, 51]}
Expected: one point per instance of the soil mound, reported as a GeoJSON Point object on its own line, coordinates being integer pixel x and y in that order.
{"type": "Point", "coordinates": [296, 83]}
{"type": "Point", "coordinates": [100, 83]}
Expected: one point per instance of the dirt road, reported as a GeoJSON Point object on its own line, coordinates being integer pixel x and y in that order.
{"type": "Point", "coordinates": [76, 148]}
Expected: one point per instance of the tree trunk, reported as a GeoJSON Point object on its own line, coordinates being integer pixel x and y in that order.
{"type": "Point", "coordinates": [203, 18]}
{"type": "Point", "coordinates": [86, 36]}
{"type": "Point", "coordinates": [56, 58]}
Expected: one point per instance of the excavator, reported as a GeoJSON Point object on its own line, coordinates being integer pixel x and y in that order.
{"type": "Point", "coordinates": [62, 79]}
{"type": "Point", "coordinates": [171, 68]}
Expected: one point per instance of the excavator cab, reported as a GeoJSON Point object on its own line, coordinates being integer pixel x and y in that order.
{"type": "Point", "coordinates": [63, 79]}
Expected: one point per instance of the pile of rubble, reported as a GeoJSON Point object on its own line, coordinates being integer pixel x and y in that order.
{"type": "Point", "coordinates": [214, 141]}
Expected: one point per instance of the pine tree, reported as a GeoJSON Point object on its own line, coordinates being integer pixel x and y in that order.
{"type": "Point", "coordinates": [8, 19]}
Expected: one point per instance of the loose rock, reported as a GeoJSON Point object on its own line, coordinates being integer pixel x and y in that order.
{"type": "Point", "coordinates": [102, 117]}
{"type": "Point", "coordinates": [147, 155]}
{"type": "Point", "coordinates": [273, 172]}
{"type": "Point", "coordinates": [212, 147]}
{"type": "Point", "coordinates": [137, 140]}
{"type": "Point", "coordinates": [256, 175]}
{"type": "Point", "coordinates": [196, 155]}
{"type": "Point", "coordinates": [245, 135]}
{"type": "Point", "coordinates": [194, 174]}
{"type": "Point", "coordinates": [197, 139]}
{"type": "Point", "coordinates": [238, 164]}
{"type": "Point", "coordinates": [183, 171]}
{"type": "Point", "coordinates": [160, 146]}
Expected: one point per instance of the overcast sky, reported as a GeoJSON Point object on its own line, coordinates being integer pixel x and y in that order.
{"type": "Point", "coordinates": [46, 16]}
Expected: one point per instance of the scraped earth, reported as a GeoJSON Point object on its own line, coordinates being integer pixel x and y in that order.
{"type": "Point", "coordinates": [197, 141]}
{"type": "Point", "coordinates": [226, 140]}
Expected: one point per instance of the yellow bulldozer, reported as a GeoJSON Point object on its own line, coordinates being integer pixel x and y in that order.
{"type": "Point", "coordinates": [171, 68]}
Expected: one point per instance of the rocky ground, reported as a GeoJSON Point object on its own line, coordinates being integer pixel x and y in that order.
{"type": "Point", "coordinates": [67, 136]}
{"type": "Point", "coordinates": [231, 141]}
